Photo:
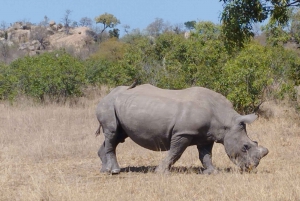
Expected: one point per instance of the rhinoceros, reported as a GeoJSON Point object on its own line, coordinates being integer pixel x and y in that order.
{"type": "Point", "coordinates": [171, 120]}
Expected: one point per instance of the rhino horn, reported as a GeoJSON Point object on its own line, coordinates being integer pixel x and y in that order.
{"type": "Point", "coordinates": [248, 119]}
{"type": "Point", "coordinates": [263, 151]}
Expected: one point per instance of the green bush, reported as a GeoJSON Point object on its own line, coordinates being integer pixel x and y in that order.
{"type": "Point", "coordinates": [247, 77]}
{"type": "Point", "coordinates": [7, 83]}
{"type": "Point", "coordinates": [103, 72]}
{"type": "Point", "coordinates": [56, 75]}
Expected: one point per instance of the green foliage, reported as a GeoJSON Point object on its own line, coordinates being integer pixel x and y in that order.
{"type": "Point", "coordinates": [111, 50]}
{"type": "Point", "coordinates": [295, 25]}
{"type": "Point", "coordinates": [114, 33]}
{"type": "Point", "coordinates": [168, 60]}
{"type": "Point", "coordinates": [56, 75]}
{"type": "Point", "coordinates": [104, 72]}
{"type": "Point", "coordinates": [171, 61]}
{"type": "Point", "coordinates": [190, 25]}
{"type": "Point", "coordinates": [108, 20]}
{"type": "Point", "coordinates": [259, 72]}
{"type": "Point", "coordinates": [7, 83]}
{"type": "Point", "coordinates": [239, 15]}
{"type": "Point", "coordinates": [275, 33]}
{"type": "Point", "coordinates": [247, 77]}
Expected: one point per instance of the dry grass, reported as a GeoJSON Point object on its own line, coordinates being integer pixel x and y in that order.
{"type": "Point", "coordinates": [50, 153]}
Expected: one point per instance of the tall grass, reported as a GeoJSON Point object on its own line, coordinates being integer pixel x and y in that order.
{"type": "Point", "coordinates": [50, 153]}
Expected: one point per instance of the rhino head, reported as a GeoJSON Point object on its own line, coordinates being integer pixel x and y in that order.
{"type": "Point", "coordinates": [241, 150]}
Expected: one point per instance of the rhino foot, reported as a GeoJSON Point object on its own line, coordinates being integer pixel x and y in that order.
{"type": "Point", "coordinates": [103, 170]}
{"type": "Point", "coordinates": [210, 171]}
{"type": "Point", "coordinates": [160, 170]}
{"type": "Point", "coordinates": [115, 171]}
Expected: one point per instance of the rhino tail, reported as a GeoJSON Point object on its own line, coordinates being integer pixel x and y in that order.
{"type": "Point", "coordinates": [133, 84]}
{"type": "Point", "coordinates": [98, 130]}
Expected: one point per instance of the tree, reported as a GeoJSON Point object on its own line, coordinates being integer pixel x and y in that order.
{"type": "Point", "coordinates": [40, 34]}
{"type": "Point", "coordinates": [276, 34]}
{"type": "Point", "coordinates": [126, 28]}
{"type": "Point", "coordinates": [85, 22]}
{"type": "Point", "coordinates": [295, 25]}
{"type": "Point", "coordinates": [156, 27]}
{"type": "Point", "coordinates": [4, 50]}
{"type": "Point", "coordinates": [114, 33]}
{"type": "Point", "coordinates": [108, 21]}
{"type": "Point", "coordinates": [67, 21]}
{"type": "Point", "coordinates": [45, 22]}
{"type": "Point", "coordinates": [3, 26]}
{"type": "Point", "coordinates": [238, 17]}
{"type": "Point", "coordinates": [190, 25]}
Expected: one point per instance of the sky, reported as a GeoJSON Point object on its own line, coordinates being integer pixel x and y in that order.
{"type": "Point", "coordinates": [138, 14]}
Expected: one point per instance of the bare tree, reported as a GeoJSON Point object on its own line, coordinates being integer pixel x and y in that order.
{"type": "Point", "coordinates": [3, 26]}
{"type": "Point", "coordinates": [40, 34]}
{"type": "Point", "coordinates": [157, 27]}
{"type": "Point", "coordinates": [85, 22]}
{"type": "Point", "coordinates": [74, 24]}
{"type": "Point", "coordinates": [45, 22]}
{"type": "Point", "coordinates": [67, 21]}
{"type": "Point", "coordinates": [178, 28]}
{"type": "Point", "coordinates": [3, 30]}
{"type": "Point", "coordinates": [4, 51]}
{"type": "Point", "coordinates": [126, 28]}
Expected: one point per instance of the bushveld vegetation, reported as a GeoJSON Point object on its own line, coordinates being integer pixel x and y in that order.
{"type": "Point", "coordinates": [246, 76]}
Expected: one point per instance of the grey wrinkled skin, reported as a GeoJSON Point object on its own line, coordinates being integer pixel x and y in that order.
{"type": "Point", "coordinates": [172, 120]}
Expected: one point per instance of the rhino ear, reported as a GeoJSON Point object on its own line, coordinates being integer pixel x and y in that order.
{"type": "Point", "coordinates": [248, 119]}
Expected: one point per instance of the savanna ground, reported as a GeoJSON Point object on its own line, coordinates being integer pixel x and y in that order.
{"type": "Point", "coordinates": [50, 153]}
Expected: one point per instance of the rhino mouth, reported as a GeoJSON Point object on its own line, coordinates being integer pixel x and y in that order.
{"type": "Point", "coordinates": [251, 165]}
{"type": "Point", "coordinates": [249, 168]}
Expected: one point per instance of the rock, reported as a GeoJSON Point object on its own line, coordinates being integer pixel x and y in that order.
{"type": "Point", "coordinates": [7, 42]}
{"type": "Point", "coordinates": [50, 31]}
{"type": "Point", "coordinates": [34, 42]}
{"type": "Point", "coordinates": [187, 35]}
{"type": "Point", "coordinates": [52, 23]}
{"type": "Point", "coordinates": [17, 25]}
{"type": "Point", "coordinates": [31, 48]}
{"type": "Point", "coordinates": [59, 26]}
{"type": "Point", "coordinates": [54, 27]}
{"type": "Point", "coordinates": [19, 36]}
{"type": "Point", "coordinates": [32, 53]}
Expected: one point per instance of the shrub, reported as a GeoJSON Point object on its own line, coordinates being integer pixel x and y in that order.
{"type": "Point", "coordinates": [248, 75]}
{"type": "Point", "coordinates": [7, 83]}
{"type": "Point", "coordinates": [56, 75]}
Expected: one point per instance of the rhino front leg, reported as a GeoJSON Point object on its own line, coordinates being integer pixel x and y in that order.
{"type": "Point", "coordinates": [205, 153]}
{"type": "Point", "coordinates": [178, 145]}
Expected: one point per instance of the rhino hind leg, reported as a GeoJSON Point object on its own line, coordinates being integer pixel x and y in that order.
{"type": "Point", "coordinates": [108, 153]}
{"type": "Point", "coordinates": [111, 143]}
{"type": "Point", "coordinates": [178, 146]}
{"type": "Point", "coordinates": [102, 156]}
{"type": "Point", "coordinates": [205, 153]}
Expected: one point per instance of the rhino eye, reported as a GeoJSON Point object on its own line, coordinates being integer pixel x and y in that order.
{"type": "Point", "coordinates": [245, 148]}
